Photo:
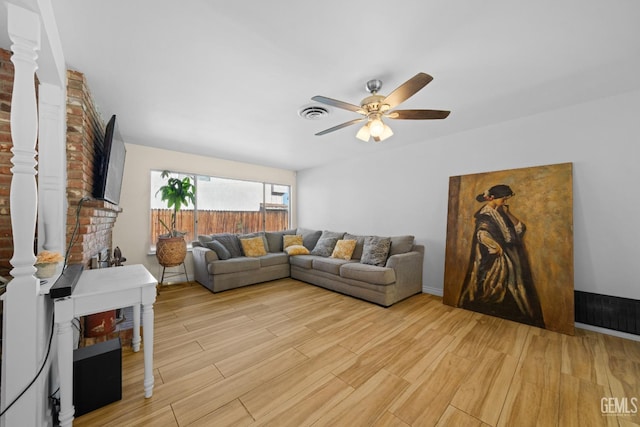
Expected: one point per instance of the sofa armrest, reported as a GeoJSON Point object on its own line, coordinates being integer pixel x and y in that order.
{"type": "Point", "coordinates": [201, 259]}
{"type": "Point", "coordinates": [408, 267]}
{"type": "Point", "coordinates": [207, 255]}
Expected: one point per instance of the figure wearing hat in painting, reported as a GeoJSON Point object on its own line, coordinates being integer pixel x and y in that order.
{"type": "Point", "coordinates": [498, 280]}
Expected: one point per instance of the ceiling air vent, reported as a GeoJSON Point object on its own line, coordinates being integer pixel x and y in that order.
{"type": "Point", "coordinates": [313, 112]}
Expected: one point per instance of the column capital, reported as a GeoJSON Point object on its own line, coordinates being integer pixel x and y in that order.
{"type": "Point", "coordinates": [23, 25]}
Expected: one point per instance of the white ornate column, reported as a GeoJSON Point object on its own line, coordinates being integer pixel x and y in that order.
{"type": "Point", "coordinates": [20, 359]}
{"type": "Point", "coordinates": [52, 168]}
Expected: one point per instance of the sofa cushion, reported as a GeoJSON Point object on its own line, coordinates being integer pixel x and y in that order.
{"type": "Point", "coordinates": [234, 265]}
{"type": "Point", "coordinates": [309, 237]}
{"type": "Point", "coordinates": [401, 245]}
{"type": "Point", "coordinates": [368, 273]}
{"type": "Point", "coordinates": [229, 241]}
{"type": "Point", "coordinates": [274, 239]}
{"type": "Point", "coordinates": [304, 261]}
{"type": "Point", "coordinates": [219, 249]}
{"type": "Point", "coordinates": [344, 249]}
{"type": "Point", "coordinates": [329, 265]}
{"type": "Point", "coordinates": [357, 252]}
{"type": "Point", "coordinates": [273, 259]}
{"type": "Point", "coordinates": [375, 250]}
{"type": "Point", "coordinates": [253, 246]}
{"type": "Point", "coordinates": [296, 250]}
{"type": "Point", "coordinates": [325, 246]}
{"type": "Point", "coordinates": [290, 240]}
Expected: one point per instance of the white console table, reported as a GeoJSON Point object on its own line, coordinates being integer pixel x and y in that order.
{"type": "Point", "coordinates": [97, 291]}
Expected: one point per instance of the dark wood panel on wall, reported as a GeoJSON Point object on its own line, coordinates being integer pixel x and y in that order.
{"type": "Point", "coordinates": [605, 311]}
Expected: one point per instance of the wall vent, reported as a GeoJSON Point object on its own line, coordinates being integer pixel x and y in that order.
{"type": "Point", "coordinates": [616, 313]}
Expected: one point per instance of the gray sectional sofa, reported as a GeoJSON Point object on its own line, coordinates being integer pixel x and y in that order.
{"type": "Point", "coordinates": [380, 270]}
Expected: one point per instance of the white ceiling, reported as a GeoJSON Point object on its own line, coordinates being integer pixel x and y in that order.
{"type": "Point", "coordinates": [226, 79]}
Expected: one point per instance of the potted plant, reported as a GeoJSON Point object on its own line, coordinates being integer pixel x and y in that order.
{"type": "Point", "coordinates": [47, 264]}
{"type": "Point", "coordinates": [171, 248]}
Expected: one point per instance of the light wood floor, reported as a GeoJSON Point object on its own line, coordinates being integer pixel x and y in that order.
{"type": "Point", "coordinates": [286, 353]}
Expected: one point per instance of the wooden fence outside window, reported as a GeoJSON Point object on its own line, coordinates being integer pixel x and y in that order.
{"type": "Point", "coordinates": [211, 222]}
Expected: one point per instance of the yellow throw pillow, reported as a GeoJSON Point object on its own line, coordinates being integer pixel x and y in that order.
{"type": "Point", "coordinates": [253, 247]}
{"type": "Point", "coordinates": [296, 250]}
{"type": "Point", "coordinates": [344, 249]}
{"type": "Point", "coordinates": [291, 239]}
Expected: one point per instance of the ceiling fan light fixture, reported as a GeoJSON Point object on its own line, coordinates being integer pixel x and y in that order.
{"type": "Point", "coordinates": [386, 133]}
{"type": "Point", "coordinates": [376, 127]}
{"type": "Point", "coordinates": [364, 134]}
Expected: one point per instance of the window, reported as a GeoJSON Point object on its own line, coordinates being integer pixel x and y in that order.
{"type": "Point", "coordinates": [223, 205]}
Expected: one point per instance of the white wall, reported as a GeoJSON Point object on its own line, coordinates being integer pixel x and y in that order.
{"type": "Point", "coordinates": [132, 230]}
{"type": "Point", "coordinates": [405, 190]}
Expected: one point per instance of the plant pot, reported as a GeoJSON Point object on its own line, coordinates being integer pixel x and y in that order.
{"type": "Point", "coordinates": [46, 270]}
{"type": "Point", "coordinates": [171, 251]}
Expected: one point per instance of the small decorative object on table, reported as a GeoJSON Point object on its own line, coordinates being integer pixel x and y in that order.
{"type": "Point", "coordinates": [118, 259]}
{"type": "Point", "coordinates": [46, 264]}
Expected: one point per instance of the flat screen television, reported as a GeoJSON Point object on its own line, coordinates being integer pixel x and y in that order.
{"type": "Point", "coordinates": [110, 165]}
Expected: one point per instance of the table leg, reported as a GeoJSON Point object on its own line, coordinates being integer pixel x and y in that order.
{"type": "Point", "coordinates": [147, 331]}
{"type": "Point", "coordinates": [65, 363]}
{"type": "Point", "coordinates": [135, 342]}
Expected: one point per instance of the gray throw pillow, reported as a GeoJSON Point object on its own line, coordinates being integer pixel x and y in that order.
{"type": "Point", "coordinates": [204, 239]}
{"type": "Point", "coordinates": [309, 237]}
{"type": "Point", "coordinates": [325, 246]}
{"type": "Point", "coordinates": [329, 234]}
{"type": "Point", "coordinates": [375, 250]}
{"type": "Point", "coordinates": [219, 249]}
{"type": "Point", "coordinates": [230, 242]}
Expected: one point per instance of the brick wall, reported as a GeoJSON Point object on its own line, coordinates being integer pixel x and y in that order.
{"type": "Point", "coordinates": [85, 131]}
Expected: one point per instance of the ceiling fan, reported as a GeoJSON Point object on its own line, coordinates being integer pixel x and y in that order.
{"type": "Point", "coordinates": [376, 107]}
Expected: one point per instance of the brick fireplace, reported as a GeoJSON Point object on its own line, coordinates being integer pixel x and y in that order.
{"type": "Point", "coordinates": [85, 133]}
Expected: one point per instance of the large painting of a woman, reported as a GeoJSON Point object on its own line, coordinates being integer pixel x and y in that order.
{"type": "Point", "coordinates": [498, 280]}
{"type": "Point", "coordinates": [500, 264]}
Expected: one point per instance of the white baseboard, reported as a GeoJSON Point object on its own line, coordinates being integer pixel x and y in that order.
{"type": "Point", "coordinates": [432, 290]}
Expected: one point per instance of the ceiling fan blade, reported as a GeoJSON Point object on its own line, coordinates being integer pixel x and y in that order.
{"type": "Point", "coordinates": [338, 104]}
{"type": "Point", "coordinates": [418, 114]}
{"type": "Point", "coordinates": [407, 89]}
{"type": "Point", "coordinates": [343, 125]}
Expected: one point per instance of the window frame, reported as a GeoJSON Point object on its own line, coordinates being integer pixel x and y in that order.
{"type": "Point", "coordinates": [266, 187]}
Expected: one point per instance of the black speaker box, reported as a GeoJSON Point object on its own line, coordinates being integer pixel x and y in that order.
{"type": "Point", "coordinates": [97, 376]}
